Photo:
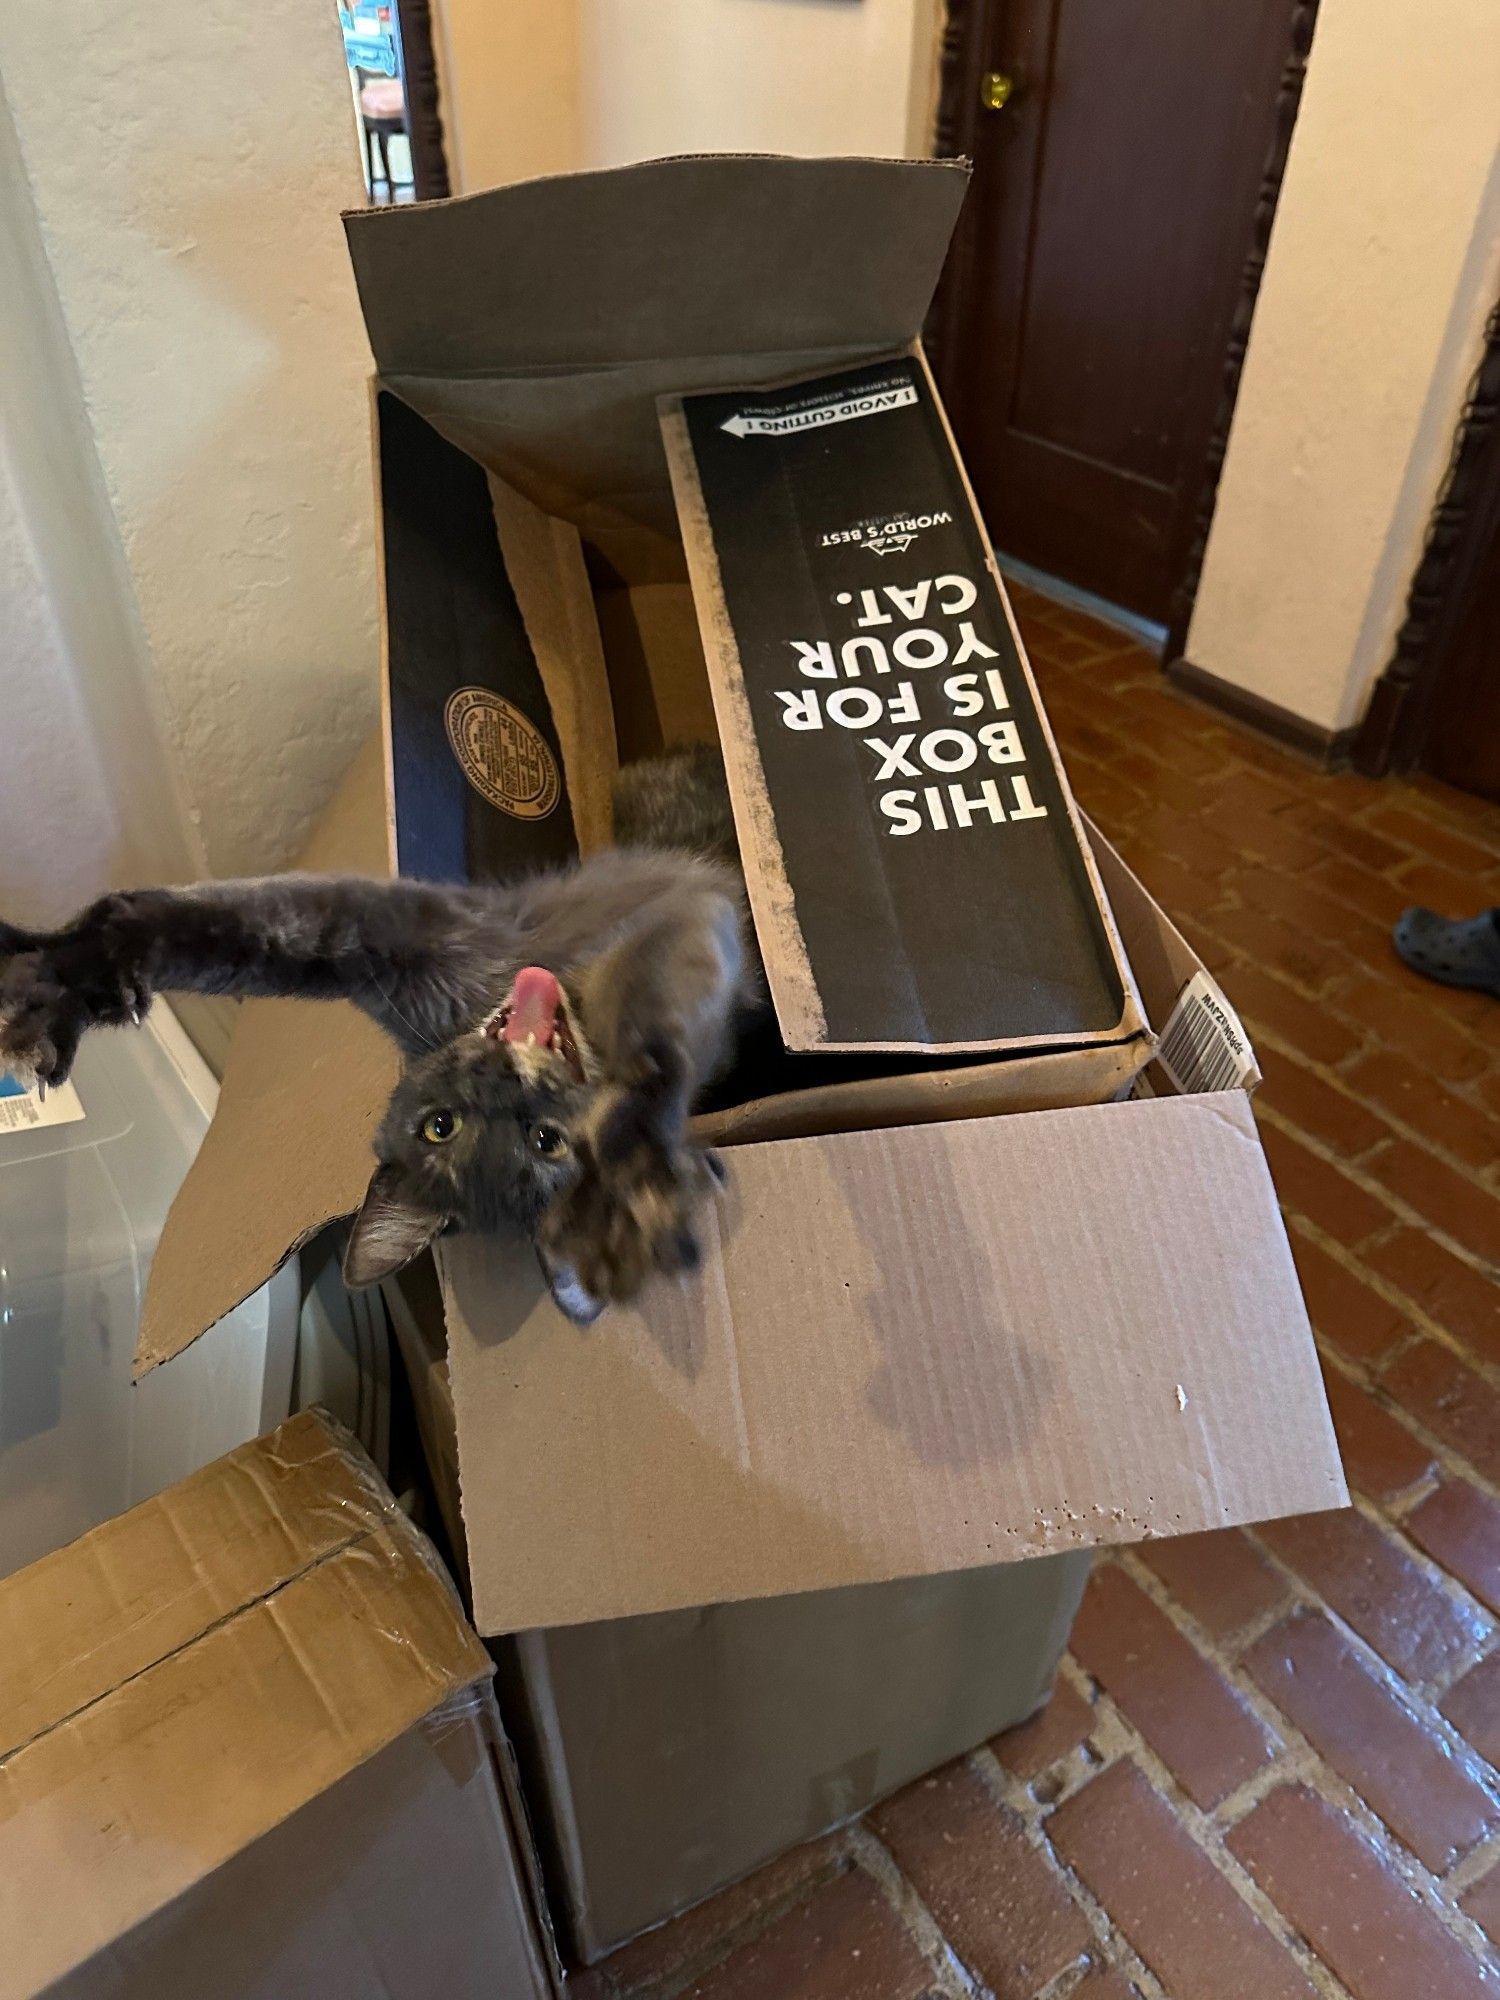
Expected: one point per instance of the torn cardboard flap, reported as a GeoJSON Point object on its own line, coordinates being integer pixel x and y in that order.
{"type": "Point", "coordinates": [909, 1352]}
{"type": "Point", "coordinates": [288, 1148]}
{"type": "Point", "coordinates": [183, 1678]}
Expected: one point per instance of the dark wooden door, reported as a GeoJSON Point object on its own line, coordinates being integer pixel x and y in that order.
{"type": "Point", "coordinates": [1089, 305]}
{"type": "Point", "coordinates": [1461, 707]}
{"type": "Point", "coordinates": [1436, 707]}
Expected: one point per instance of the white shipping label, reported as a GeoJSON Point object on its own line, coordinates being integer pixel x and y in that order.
{"type": "Point", "coordinates": [23, 1110]}
{"type": "Point", "coordinates": [1203, 1046]}
{"type": "Point", "coordinates": [840, 410]}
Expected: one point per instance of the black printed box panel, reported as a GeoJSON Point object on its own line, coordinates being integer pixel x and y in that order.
{"type": "Point", "coordinates": [475, 760]}
{"type": "Point", "coordinates": [939, 886]}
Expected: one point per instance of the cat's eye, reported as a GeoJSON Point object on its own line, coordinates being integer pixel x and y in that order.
{"type": "Point", "coordinates": [548, 1142]}
{"type": "Point", "coordinates": [438, 1127]}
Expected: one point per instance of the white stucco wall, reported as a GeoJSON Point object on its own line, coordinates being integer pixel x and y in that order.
{"type": "Point", "coordinates": [509, 82]}
{"type": "Point", "coordinates": [773, 76]}
{"type": "Point", "coordinates": [82, 730]}
{"type": "Point", "coordinates": [1383, 262]}
{"type": "Point", "coordinates": [59, 834]}
{"type": "Point", "coordinates": [545, 86]}
{"type": "Point", "coordinates": [187, 166]}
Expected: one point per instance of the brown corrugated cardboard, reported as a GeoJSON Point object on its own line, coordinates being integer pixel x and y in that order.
{"type": "Point", "coordinates": [740, 1730]}
{"type": "Point", "coordinates": [246, 1736]}
{"type": "Point", "coordinates": [914, 1346]}
{"type": "Point", "coordinates": [289, 1145]}
{"type": "Point", "coordinates": [665, 1756]}
{"type": "Point", "coordinates": [908, 1352]}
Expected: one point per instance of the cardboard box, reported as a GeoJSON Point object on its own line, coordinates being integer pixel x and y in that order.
{"type": "Point", "coordinates": [665, 1756]}
{"type": "Point", "coordinates": [248, 1748]}
{"type": "Point", "coordinates": [987, 1313]}
{"type": "Point", "coordinates": [917, 868]}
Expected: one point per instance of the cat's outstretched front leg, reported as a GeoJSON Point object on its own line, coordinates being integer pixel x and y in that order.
{"type": "Point", "coordinates": [52, 988]}
{"type": "Point", "coordinates": [406, 952]}
{"type": "Point", "coordinates": [661, 1009]}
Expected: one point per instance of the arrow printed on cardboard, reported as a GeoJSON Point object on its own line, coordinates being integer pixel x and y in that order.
{"type": "Point", "coordinates": [841, 412]}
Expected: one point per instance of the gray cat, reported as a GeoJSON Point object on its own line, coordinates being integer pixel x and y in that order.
{"type": "Point", "coordinates": [557, 1031]}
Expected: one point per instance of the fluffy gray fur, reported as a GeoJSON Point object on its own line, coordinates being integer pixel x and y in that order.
{"type": "Point", "coordinates": [581, 1146]}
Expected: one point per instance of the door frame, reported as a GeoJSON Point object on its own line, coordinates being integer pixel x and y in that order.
{"type": "Point", "coordinates": [424, 114]}
{"type": "Point", "coordinates": [962, 60]}
{"type": "Point", "coordinates": [1403, 699]}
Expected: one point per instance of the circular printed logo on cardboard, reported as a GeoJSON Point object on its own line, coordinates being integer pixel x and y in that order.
{"type": "Point", "coordinates": [503, 754]}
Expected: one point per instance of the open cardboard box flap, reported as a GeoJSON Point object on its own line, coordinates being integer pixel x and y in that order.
{"type": "Point", "coordinates": [908, 1352]}
{"type": "Point", "coordinates": [288, 1149]}
{"type": "Point", "coordinates": [516, 323]}
{"type": "Point", "coordinates": [914, 1348]}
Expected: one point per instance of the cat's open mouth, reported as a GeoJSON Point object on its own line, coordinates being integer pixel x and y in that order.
{"type": "Point", "coordinates": [535, 1017]}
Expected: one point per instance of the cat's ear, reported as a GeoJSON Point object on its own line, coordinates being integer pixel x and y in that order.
{"type": "Point", "coordinates": [568, 1293]}
{"type": "Point", "coordinates": [388, 1232]}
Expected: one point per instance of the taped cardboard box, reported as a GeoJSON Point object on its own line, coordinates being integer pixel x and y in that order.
{"type": "Point", "coordinates": [665, 1756]}
{"type": "Point", "coordinates": [248, 1748]}
{"type": "Point", "coordinates": [949, 1314]}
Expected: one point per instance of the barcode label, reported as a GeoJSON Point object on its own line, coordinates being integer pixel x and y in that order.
{"type": "Point", "coordinates": [1203, 1046]}
{"type": "Point", "coordinates": [23, 1110]}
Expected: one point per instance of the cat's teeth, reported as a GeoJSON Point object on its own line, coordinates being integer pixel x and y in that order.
{"type": "Point", "coordinates": [531, 1041]}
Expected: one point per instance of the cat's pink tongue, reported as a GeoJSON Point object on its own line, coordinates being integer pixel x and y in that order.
{"type": "Point", "coordinates": [534, 1001]}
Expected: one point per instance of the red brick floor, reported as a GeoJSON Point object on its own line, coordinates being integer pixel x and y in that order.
{"type": "Point", "coordinates": [1270, 1765]}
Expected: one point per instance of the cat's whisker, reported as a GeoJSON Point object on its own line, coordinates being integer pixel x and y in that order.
{"type": "Point", "coordinates": [425, 1038]}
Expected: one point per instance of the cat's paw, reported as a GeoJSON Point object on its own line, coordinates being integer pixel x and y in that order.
{"type": "Point", "coordinates": [55, 987]}
{"type": "Point", "coordinates": [41, 1021]}
{"type": "Point", "coordinates": [622, 1222]}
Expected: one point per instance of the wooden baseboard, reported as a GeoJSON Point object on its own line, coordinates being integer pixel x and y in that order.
{"type": "Point", "coordinates": [1328, 747]}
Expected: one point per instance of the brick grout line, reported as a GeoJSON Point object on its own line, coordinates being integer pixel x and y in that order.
{"type": "Point", "coordinates": [1410, 1497]}
{"type": "Point", "coordinates": [1426, 1326]}
{"type": "Point", "coordinates": [1474, 1866]}
{"type": "Point", "coordinates": [1222, 1651]}
{"type": "Point", "coordinates": [1353, 1170]}
{"type": "Point", "coordinates": [954, 1978]}
{"type": "Point", "coordinates": [1326, 1073]}
{"type": "Point", "coordinates": [1065, 1983]}
{"type": "Point", "coordinates": [1396, 1513]}
{"type": "Point", "coordinates": [1419, 1708]}
{"type": "Point", "coordinates": [1219, 1655]}
{"type": "Point", "coordinates": [1436, 1574]}
{"type": "Point", "coordinates": [1115, 1948]}
{"type": "Point", "coordinates": [1363, 1033]}
{"type": "Point", "coordinates": [1406, 1218]}
{"type": "Point", "coordinates": [1205, 1835]}
{"type": "Point", "coordinates": [1302, 1764]}
{"type": "Point", "coordinates": [1300, 1759]}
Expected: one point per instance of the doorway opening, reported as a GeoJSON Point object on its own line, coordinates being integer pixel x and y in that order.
{"type": "Point", "coordinates": [372, 49]}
